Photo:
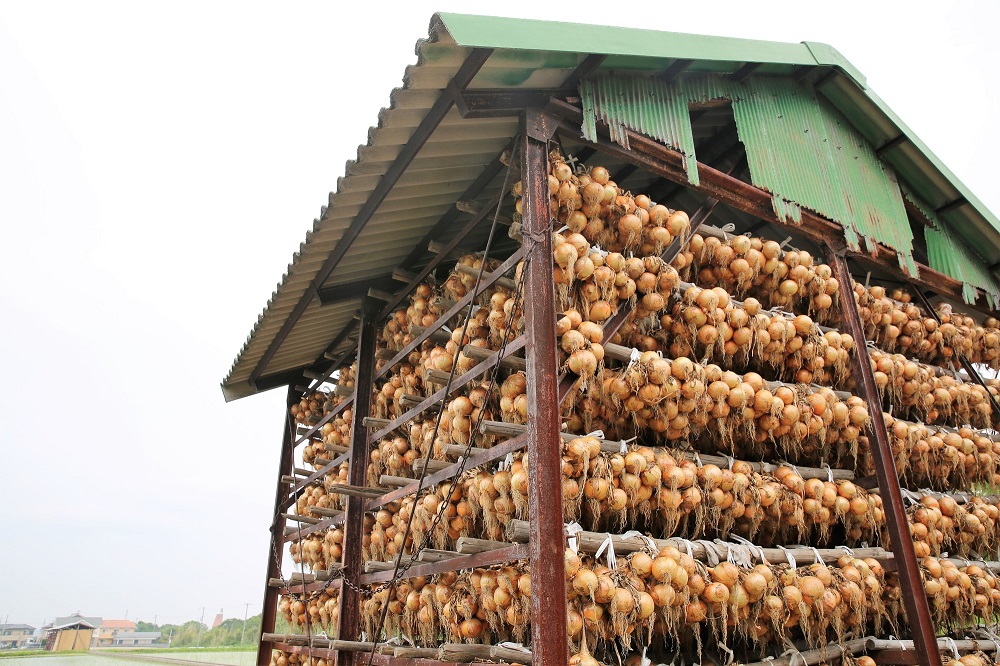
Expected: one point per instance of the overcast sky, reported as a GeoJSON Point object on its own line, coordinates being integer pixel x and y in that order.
{"type": "Point", "coordinates": [159, 164]}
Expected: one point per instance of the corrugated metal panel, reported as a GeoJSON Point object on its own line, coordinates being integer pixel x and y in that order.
{"type": "Point", "coordinates": [532, 54]}
{"type": "Point", "coordinates": [947, 254]}
{"type": "Point", "coordinates": [432, 174]}
{"type": "Point", "coordinates": [803, 152]}
{"type": "Point", "coordinates": [799, 149]}
{"type": "Point", "coordinates": [870, 190]}
{"type": "Point", "coordinates": [642, 104]}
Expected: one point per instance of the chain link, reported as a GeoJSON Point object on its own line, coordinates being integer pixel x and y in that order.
{"type": "Point", "coordinates": [367, 592]}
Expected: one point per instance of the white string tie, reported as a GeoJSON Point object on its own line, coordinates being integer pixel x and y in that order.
{"type": "Point", "coordinates": [750, 546]}
{"type": "Point", "coordinates": [572, 529]}
{"type": "Point", "coordinates": [510, 645]}
{"type": "Point", "coordinates": [789, 557]}
{"type": "Point", "coordinates": [610, 546]}
{"type": "Point", "coordinates": [633, 358]}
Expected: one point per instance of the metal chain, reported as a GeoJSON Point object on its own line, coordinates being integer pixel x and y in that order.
{"type": "Point", "coordinates": [465, 457]}
{"type": "Point", "coordinates": [342, 576]}
{"type": "Point", "coordinates": [370, 591]}
{"type": "Point", "coordinates": [397, 569]}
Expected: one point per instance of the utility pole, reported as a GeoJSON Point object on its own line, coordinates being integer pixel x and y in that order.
{"type": "Point", "coordinates": [246, 611]}
{"type": "Point", "coordinates": [170, 638]}
{"type": "Point", "coordinates": [201, 623]}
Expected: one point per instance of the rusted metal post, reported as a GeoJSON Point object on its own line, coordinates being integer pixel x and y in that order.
{"type": "Point", "coordinates": [549, 639]}
{"type": "Point", "coordinates": [350, 601]}
{"type": "Point", "coordinates": [277, 546]}
{"type": "Point", "coordinates": [914, 599]}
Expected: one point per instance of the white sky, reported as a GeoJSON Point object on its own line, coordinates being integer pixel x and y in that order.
{"type": "Point", "coordinates": [159, 164]}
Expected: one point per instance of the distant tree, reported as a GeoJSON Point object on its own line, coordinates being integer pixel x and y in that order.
{"type": "Point", "coordinates": [227, 634]}
{"type": "Point", "coordinates": [186, 634]}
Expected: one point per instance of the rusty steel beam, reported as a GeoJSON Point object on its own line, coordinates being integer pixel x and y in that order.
{"type": "Point", "coordinates": [435, 115]}
{"type": "Point", "coordinates": [549, 642]}
{"type": "Point", "coordinates": [914, 600]}
{"type": "Point", "coordinates": [277, 546]}
{"type": "Point", "coordinates": [453, 242]}
{"type": "Point", "coordinates": [335, 364]}
{"type": "Point", "coordinates": [283, 378]}
{"type": "Point", "coordinates": [504, 102]}
{"type": "Point", "coordinates": [510, 553]}
{"type": "Point", "coordinates": [895, 142]}
{"type": "Point", "coordinates": [350, 600]}
{"type": "Point", "coordinates": [587, 67]}
{"type": "Point", "coordinates": [671, 73]}
{"type": "Point", "coordinates": [477, 460]}
{"type": "Point", "coordinates": [487, 281]}
{"type": "Point", "coordinates": [486, 177]}
{"type": "Point", "coordinates": [352, 290]}
{"type": "Point", "coordinates": [744, 72]}
{"type": "Point", "coordinates": [442, 394]}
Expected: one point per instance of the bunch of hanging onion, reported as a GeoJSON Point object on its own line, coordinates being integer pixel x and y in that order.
{"type": "Point", "coordinates": [759, 268]}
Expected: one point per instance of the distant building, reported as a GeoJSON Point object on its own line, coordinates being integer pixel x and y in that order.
{"type": "Point", "coordinates": [136, 638]}
{"type": "Point", "coordinates": [218, 620]}
{"type": "Point", "coordinates": [74, 635]}
{"type": "Point", "coordinates": [109, 630]}
{"type": "Point", "coordinates": [15, 635]}
{"type": "Point", "coordinates": [59, 621]}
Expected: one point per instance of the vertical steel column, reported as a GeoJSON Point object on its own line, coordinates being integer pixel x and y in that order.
{"type": "Point", "coordinates": [549, 639]}
{"type": "Point", "coordinates": [277, 546]}
{"type": "Point", "coordinates": [914, 599]}
{"type": "Point", "coordinates": [350, 601]}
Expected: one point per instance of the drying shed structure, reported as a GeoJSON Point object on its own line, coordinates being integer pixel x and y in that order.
{"type": "Point", "coordinates": [782, 142]}
{"type": "Point", "coordinates": [74, 636]}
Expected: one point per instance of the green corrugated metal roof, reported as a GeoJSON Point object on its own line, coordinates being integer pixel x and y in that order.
{"type": "Point", "coordinates": [647, 50]}
{"type": "Point", "coordinates": [954, 258]}
{"type": "Point", "coordinates": [642, 104]}
{"type": "Point", "coordinates": [799, 148]}
{"type": "Point", "coordinates": [947, 254]}
{"type": "Point", "coordinates": [543, 55]}
{"type": "Point", "coordinates": [507, 33]}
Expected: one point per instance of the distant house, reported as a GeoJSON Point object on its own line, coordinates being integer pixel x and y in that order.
{"type": "Point", "coordinates": [136, 638]}
{"type": "Point", "coordinates": [74, 635]}
{"type": "Point", "coordinates": [59, 621]}
{"type": "Point", "coordinates": [15, 635]}
{"type": "Point", "coordinates": [109, 630]}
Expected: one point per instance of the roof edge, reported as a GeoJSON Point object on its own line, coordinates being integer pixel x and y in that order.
{"type": "Point", "coordinates": [499, 32]}
{"type": "Point", "coordinates": [824, 54]}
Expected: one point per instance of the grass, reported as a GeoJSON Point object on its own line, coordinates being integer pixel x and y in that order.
{"type": "Point", "coordinates": [17, 654]}
{"type": "Point", "coordinates": [209, 648]}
